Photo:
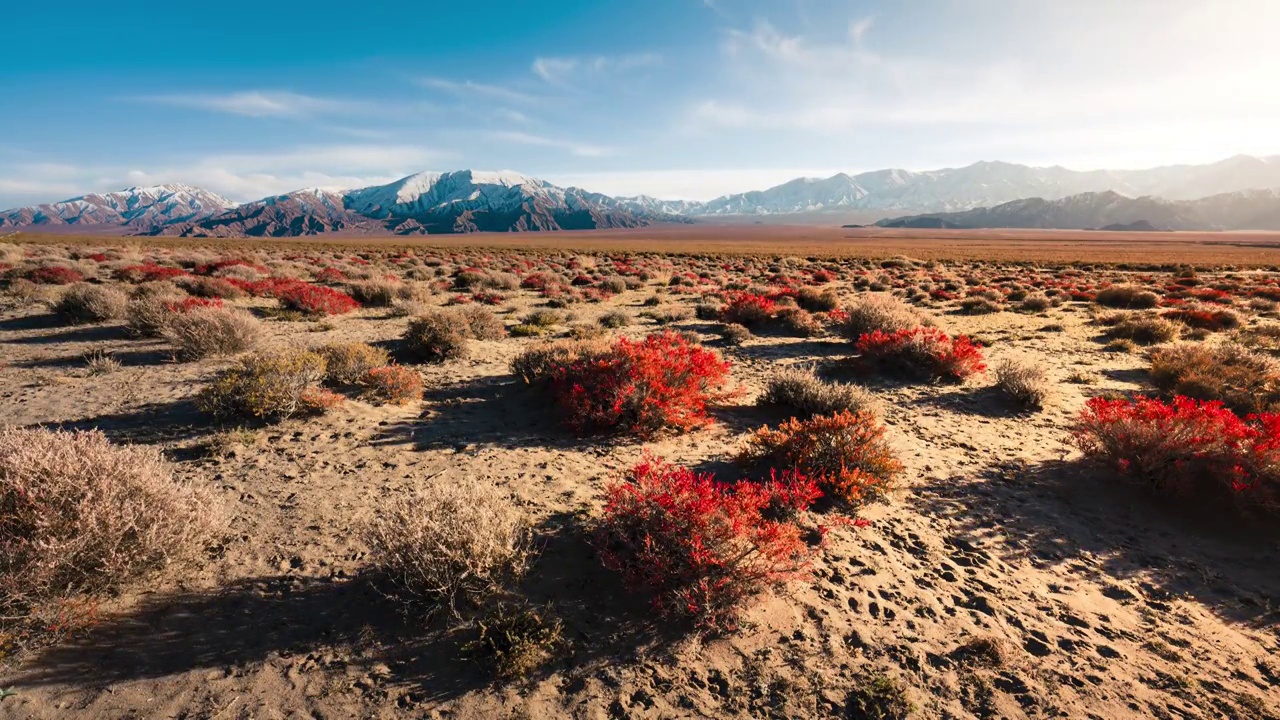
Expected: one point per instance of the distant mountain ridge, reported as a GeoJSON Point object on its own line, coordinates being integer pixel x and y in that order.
{"type": "Point", "coordinates": [1221, 195]}
{"type": "Point", "coordinates": [984, 184]}
{"type": "Point", "coordinates": [1244, 210]}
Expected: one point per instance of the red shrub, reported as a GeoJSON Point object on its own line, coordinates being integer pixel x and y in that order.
{"type": "Point", "coordinates": [54, 275]}
{"type": "Point", "coordinates": [488, 297]}
{"type": "Point", "coordinates": [1205, 319]}
{"type": "Point", "coordinates": [640, 387]}
{"type": "Point", "coordinates": [1211, 295]}
{"type": "Point", "coordinates": [923, 350]}
{"type": "Point", "coordinates": [187, 304]}
{"type": "Point", "coordinates": [148, 272]}
{"type": "Point", "coordinates": [1187, 447]}
{"type": "Point", "coordinates": [315, 299]}
{"type": "Point", "coordinates": [330, 275]}
{"type": "Point", "coordinates": [845, 453]}
{"type": "Point", "coordinates": [702, 547]}
{"type": "Point", "coordinates": [748, 309]}
{"type": "Point", "coordinates": [535, 281]}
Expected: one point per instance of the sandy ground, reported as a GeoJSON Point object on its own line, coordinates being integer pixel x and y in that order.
{"type": "Point", "coordinates": [1099, 602]}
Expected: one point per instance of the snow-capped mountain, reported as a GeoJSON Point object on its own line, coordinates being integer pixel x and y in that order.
{"type": "Point", "coordinates": [985, 184]}
{"type": "Point", "coordinates": [139, 208]}
{"type": "Point", "coordinates": [450, 202]}
{"type": "Point", "coordinates": [1246, 209]}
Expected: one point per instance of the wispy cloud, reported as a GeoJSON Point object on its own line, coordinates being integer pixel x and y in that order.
{"type": "Point", "coordinates": [573, 148]}
{"type": "Point", "coordinates": [469, 88]}
{"type": "Point", "coordinates": [836, 83]}
{"type": "Point", "coordinates": [565, 71]}
{"type": "Point", "coordinates": [261, 103]}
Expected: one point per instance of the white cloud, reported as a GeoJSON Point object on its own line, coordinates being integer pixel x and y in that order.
{"type": "Point", "coordinates": [1134, 65]}
{"type": "Point", "coordinates": [574, 148]}
{"type": "Point", "coordinates": [261, 103]}
{"type": "Point", "coordinates": [468, 88]}
{"type": "Point", "coordinates": [565, 71]}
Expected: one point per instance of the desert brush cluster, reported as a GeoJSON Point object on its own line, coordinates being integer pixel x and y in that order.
{"type": "Point", "coordinates": [716, 437]}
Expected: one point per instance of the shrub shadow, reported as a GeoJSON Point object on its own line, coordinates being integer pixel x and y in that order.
{"type": "Point", "coordinates": [817, 349]}
{"type": "Point", "coordinates": [151, 423]}
{"type": "Point", "coordinates": [984, 401]}
{"type": "Point", "coordinates": [350, 626]}
{"type": "Point", "coordinates": [127, 358]}
{"type": "Point", "coordinates": [495, 411]}
{"type": "Point", "coordinates": [78, 333]}
{"type": "Point", "coordinates": [1061, 513]}
{"type": "Point", "coordinates": [43, 321]}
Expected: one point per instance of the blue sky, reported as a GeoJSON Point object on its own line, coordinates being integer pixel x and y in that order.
{"type": "Point", "coordinates": [675, 98]}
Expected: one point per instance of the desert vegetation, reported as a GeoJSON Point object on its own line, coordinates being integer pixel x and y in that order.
{"type": "Point", "coordinates": [378, 479]}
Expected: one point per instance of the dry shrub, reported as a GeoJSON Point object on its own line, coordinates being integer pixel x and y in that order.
{"type": "Point", "coordinates": [1143, 330]}
{"type": "Point", "coordinates": [734, 334]}
{"type": "Point", "coordinates": [815, 300]}
{"type": "Point", "coordinates": [978, 305]}
{"type": "Point", "coordinates": [845, 453]}
{"type": "Point", "coordinates": [80, 515]}
{"type": "Point", "coordinates": [207, 331]}
{"type": "Point", "coordinates": [437, 336]}
{"type": "Point", "coordinates": [799, 323]}
{"type": "Point", "coordinates": [270, 385]}
{"type": "Point", "coordinates": [451, 544]}
{"type": "Point", "coordinates": [481, 323]}
{"type": "Point", "coordinates": [615, 319]}
{"type": "Point", "coordinates": [543, 318]}
{"type": "Point", "coordinates": [668, 315]}
{"type": "Point", "coordinates": [148, 316]}
{"type": "Point", "coordinates": [209, 287]}
{"type": "Point", "coordinates": [86, 303]}
{"type": "Point", "coordinates": [393, 384]}
{"type": "Point", "coordinates": [515, 640]}
{"type": "Point", "coordinates": [409, 308]}
{"type": "Point", "coordinates": [348, 363]}
{"type": "Point", "coordinates": [879, 697]}
{"type": "Point", "coordinates": [377, 293]}
{"type": "Point", "coordinates": [798, 389]}
{"type": "Point", "coordinates": [1127, 296]}
{"type": "Point", "coordinates": [1035, 302]}
{"type": "Point", "coordinates": [1026, 383]}
{"type": "Point", "coordinates": [537, 364]}
{"type": "Point", "coordinates": [886, 313]}
{"type": "Point", "coordinates": [1245, 381]}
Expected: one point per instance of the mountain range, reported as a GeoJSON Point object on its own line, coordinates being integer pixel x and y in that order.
{"type": "Point", "coordinates": [1242, 210]}
{"type": "Point", "coordinates": [1226, 194]}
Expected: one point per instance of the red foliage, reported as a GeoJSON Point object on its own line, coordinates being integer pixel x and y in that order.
{"type": "Point", "coordinates": [315, 299]}
{"type": "Point", "coordinates": [148, 272]}
{"type": "Point", "coordinates": [640, 387]}
{"type": "Point", "coordinates": [535, 281]}
{"type": "Point", "coordinates": [330, 275]}
{"type": "Point", "coordinates": [54, 275]}
{"type": "Point", "coordinates": [489, 297]}
{"type": "Point", "coordinates": [699, 546]}
{"type": "Point", "coordinates": [748, 309]}
{"type": "Point", "coordinates": [1205, 319]}
{"type": "Point", "coordinates": [1187, 447]}
{"type": "Point", "coordinates": [213, 267]}
{"type": "Point", "coordinates": [1211, 295]}
{"type": "Point", "coordinates": [188, 304]}
{"type": "Point", "coordinates": [923, 349]}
